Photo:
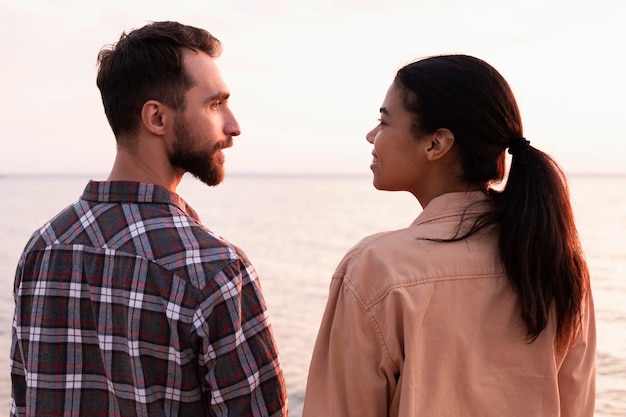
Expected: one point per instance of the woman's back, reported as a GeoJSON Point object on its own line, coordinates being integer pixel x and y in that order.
{"type": "Point", "coordinates": [438, 325]}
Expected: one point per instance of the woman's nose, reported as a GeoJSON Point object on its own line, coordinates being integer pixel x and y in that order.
{"type": "Point", "coordinates": [371, 135]}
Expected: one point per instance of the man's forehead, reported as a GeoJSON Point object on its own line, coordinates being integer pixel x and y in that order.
{"type": "Point", "coordinates": [203, 69]}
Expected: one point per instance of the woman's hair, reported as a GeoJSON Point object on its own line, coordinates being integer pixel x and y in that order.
{"type": "Point", "coordinates": [538, 241]}
{"type": "Point", "coordinates": [147, 64]}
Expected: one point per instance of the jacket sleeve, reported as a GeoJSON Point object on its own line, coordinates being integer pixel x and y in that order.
{"type": "Point", "coordinates": [577, 376]}
{"type": "Point", "coordinates": [351, 373]}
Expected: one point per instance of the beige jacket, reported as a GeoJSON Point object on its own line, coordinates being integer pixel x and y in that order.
{"type": "Point", "coordinates": [419, 328]}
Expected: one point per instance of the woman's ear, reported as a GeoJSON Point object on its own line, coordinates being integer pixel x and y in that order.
{"type": "Point", "coordinates": [439, 144]}
{"type": "Point", "coordinates": [154, 117]}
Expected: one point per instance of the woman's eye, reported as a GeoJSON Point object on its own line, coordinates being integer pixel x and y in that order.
{"type": "Point", "coordinates": [380, 121]}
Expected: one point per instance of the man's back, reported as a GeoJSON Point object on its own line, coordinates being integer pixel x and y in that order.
{"type": "Point", "coordinates": [127, 305]}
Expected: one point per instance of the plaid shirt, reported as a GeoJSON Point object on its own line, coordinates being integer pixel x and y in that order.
{"type": "Point", "coordinates": [125, 305]}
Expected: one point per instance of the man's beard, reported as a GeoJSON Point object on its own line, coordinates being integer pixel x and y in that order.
{"type": "Point", "coordinates": [199, 162]}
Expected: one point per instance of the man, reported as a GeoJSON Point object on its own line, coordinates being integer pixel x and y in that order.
{"type": "Point", "coordinates": [125, 304]}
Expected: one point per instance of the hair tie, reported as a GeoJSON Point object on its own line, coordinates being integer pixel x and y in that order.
{"type": "Point", "coordinates": [518, 145]}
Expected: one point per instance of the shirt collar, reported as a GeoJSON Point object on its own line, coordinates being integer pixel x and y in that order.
{"type": "Point", "coordinates": [451, 205]}
{"type": "Point", "coordinates": [134, 192]}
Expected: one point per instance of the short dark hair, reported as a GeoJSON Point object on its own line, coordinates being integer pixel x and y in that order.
{"type": "Point", "coordinates": [147, 64]}
{"type": "Point", "coordinates": [538, 240]}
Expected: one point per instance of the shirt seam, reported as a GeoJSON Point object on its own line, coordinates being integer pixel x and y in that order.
{"type": "Point", "coordinates": [372, 321]}
{"type": "Point", "coordinates": [226, 264]}
{"type": "Point", "coordinates": [384, 292]}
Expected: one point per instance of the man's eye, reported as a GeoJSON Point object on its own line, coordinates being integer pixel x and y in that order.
{"type": "Point", "coordinates": [216, 105]}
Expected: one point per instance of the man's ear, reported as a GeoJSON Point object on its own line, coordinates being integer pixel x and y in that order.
{"type": "Point", "coordinates": [154, 117]}
{"type": "Point", "coordinates": [439, 144]}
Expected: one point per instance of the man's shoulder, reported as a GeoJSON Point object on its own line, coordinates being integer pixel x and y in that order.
{"type": "Point", "coordinates": [134, 227]}
{"type": "Point", "coordinates": [48, 232]}
{"type": "Point", "coordinates": [158, 233]}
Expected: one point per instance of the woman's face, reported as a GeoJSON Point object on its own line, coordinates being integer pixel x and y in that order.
{"type": "Point", "coordinates": [399, 160]}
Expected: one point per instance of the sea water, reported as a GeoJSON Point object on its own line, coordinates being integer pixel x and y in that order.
{"type": "Point", "coordinates": [295, 229]}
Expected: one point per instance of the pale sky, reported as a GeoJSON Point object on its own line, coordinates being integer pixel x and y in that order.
{"type": "Point", "coordinates": [307, 77]}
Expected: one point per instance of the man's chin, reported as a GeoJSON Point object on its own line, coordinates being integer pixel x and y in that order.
{"type": "Point", "coordinates": [210, 178]}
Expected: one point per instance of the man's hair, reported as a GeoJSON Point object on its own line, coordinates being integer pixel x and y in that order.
{"type": "Point", "coordinates": [147, 64]}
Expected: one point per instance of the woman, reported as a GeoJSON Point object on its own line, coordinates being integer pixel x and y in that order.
{"type": "Point", "coordinates": [482, 306]}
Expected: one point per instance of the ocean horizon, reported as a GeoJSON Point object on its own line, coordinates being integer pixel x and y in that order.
{"type": "Point", "coordinates": [264, 174]}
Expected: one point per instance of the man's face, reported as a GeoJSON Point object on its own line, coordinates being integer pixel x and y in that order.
{"type": "Point", "coordinates": [206, 125]}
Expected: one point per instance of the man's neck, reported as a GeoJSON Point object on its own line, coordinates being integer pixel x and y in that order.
{"type": "Point", "coordinates": [133, 166]}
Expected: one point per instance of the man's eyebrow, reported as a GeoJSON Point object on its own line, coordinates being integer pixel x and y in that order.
{"type": "Point", "coordinates": [222, 95]}
{"type": "Point", "coordinates": [383, 110]}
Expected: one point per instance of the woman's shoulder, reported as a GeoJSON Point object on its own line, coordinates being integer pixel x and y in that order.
{"type": "Point", "coordinates": [383, 253]}
{"type": "Point", "coordinates": [382, 242]}
{"type": "Point", "coordinates": [408, 258]}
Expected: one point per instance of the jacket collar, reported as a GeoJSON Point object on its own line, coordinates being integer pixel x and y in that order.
{"type": "Point", "coordinates": [453, 205]}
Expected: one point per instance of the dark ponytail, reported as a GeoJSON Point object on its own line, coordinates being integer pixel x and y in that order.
{"type": "Point", "coordinates": [539, 244]}
{"type": "Point", "coordinates": [538, 241]}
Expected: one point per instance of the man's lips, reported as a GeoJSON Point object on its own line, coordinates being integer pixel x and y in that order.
{"type": "Point", "coordinates": [226, 143]}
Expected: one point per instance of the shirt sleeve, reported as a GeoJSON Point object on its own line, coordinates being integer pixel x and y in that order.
{"type": "Point", "coordinates": [577, 376]}
{"type": "Point", "coordinates": [18, 375]}
{"type": "Point", "coordinates": [241, 369]}
{"type": "Point", "coordinates": [18, 381]}
{"type": "Point", "coordinates": [351, 373]}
